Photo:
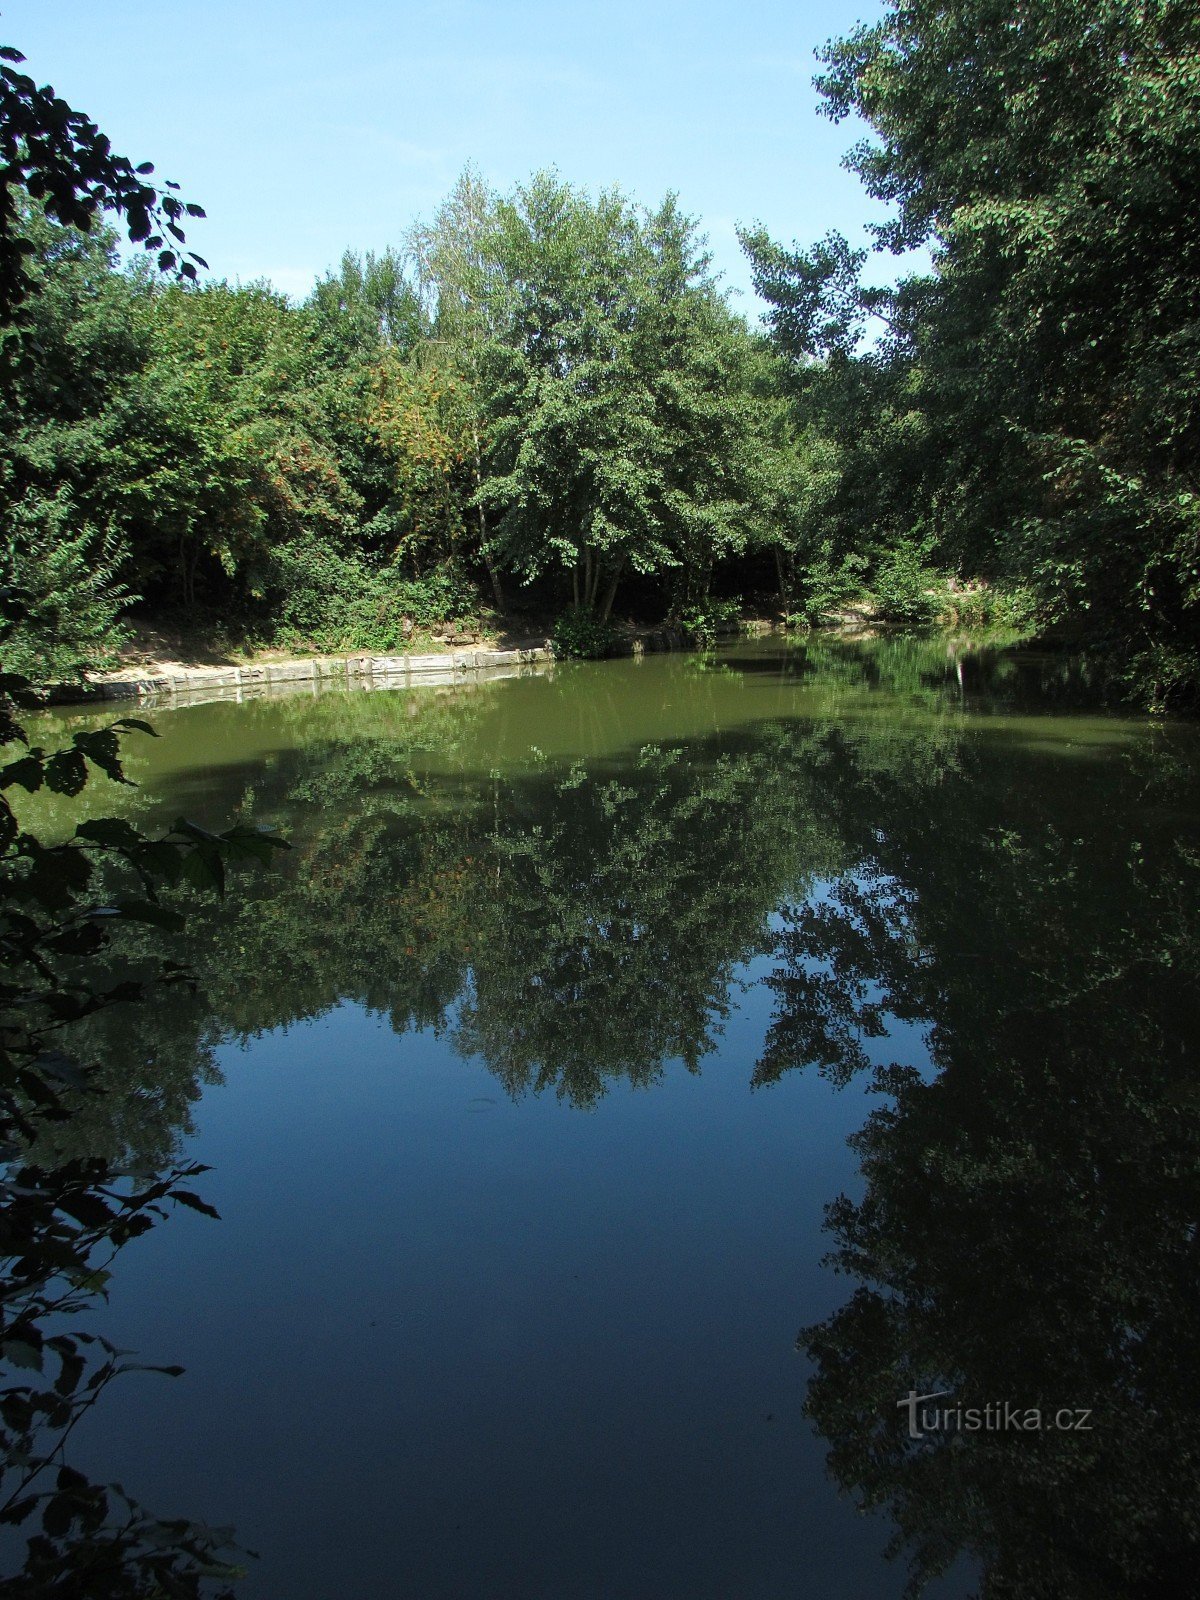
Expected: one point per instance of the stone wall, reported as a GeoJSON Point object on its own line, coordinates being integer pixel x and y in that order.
{"type": "Point", "coordinates": [317, 672]}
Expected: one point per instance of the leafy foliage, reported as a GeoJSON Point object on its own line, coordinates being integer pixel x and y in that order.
{"type": "Point", "coordinates": [558, 392]}
{"type": "Point", "coordinates": [549, 387]}
{"type": "Point", "coordinates": [578, 633]}
{"type": "Point", "coordinates": [619, 418]}
{"type": "Point", "coordinates": [905, 589]}
{"type": "Point", "coordinates": [706, 622]}
{"type": "Point", "coordinates": [825, 589]}
{"type": "Point", "coordinates": [62, 1222]}
{"type": "Point", "coordinates": [1031, 406]}
{"type": "Point", "coordinates": [342, 602]}
{"type": "Point", "coordinates": [68, 597]}
{"type": "Point", "coordinates": [61, 160]}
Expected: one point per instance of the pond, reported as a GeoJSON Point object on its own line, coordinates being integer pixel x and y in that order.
{"type": "Point", "coordinates": [606, 1031]}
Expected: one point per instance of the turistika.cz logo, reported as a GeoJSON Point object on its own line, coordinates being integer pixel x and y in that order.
{"type": "Point", "coordinates": [997, 1416]}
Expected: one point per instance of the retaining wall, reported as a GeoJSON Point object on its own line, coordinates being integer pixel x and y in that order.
{"type": "Point", "coordinates": [363, 671]}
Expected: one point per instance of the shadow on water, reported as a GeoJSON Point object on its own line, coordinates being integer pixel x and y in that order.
{"type": "Point", "coordinates": [540, 875]}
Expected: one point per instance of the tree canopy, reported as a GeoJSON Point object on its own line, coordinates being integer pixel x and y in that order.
{"type": "Point", "coordinates": [1048, 157]}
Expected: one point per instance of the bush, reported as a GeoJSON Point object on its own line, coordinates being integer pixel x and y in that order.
{"type": "Point", "coordinates": [1012, 610]}
{"type": "Point", "coordinates": [62, 577]}
{"type": "Point", "coordinates": [578, 633]}
{"type": "Point", "coordinates": [328, 600]}
{"type": "Point", "coordinates": [704, 622]}
{"type": "Point", "coordinates": [66, 1216]}
{"type": "Point", "coordinates": [1160, 678]}
{"type": "Point", "coordinates": [902, 588]}
{"type": "Point", "coordinates": [828, 588]}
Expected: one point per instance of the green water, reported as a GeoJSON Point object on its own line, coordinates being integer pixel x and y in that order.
{"type": "Point", "coordinates": [593, 1020]}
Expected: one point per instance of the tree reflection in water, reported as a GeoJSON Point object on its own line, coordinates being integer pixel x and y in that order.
{"type": "Point", "coordinates": [1028, 1227]}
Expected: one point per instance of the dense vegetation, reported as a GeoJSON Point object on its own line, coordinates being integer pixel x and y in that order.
{"type": "Point", "coordinates": [544, 398]}
{"type": "Point", "coordinates": [1032, 409]}
{"type": "Point", "coordinates": [65, 1216]}
{"type": "Point", "coordinates": [544, 388]}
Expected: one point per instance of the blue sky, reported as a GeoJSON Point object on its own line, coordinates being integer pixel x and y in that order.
{"type": "Point", "coordinates": [305, 129]}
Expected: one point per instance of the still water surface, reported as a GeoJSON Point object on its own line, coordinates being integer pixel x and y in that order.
{"type": "Point", "coordinates": [527, 1080]}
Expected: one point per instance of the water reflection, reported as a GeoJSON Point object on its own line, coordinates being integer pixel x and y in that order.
{"type": "Point", "coordinates": [1028, 1232]}
{"type": "Point", "coordinates": [569, 879]}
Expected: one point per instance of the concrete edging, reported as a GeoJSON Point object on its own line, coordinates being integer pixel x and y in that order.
{"type": "Point", "coordinates": [319, 671]}
{"type": "Point", "coordinates": [359, 670]}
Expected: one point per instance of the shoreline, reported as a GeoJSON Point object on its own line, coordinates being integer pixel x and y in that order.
{"type": "Point", "coordinates": [362, 669]}
{"type": "Point", "coordinates": [172, 682]}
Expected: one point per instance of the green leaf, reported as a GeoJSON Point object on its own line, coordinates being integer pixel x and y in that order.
{"type": "Point", "coordinates": [59, 1514]}
{"type": "Point", "coordinates": [60, 1068]}
{"type": "Point", "coordinates": [203, 869]}
{"type": "Point", "coordinates": [78, 941]}
{"type": "Point", "coordinates": [19, 1510]}
{"type": "Point", "coordinates": [70, 1372]}
{"type": "Point", "coordinates": [86, 1208]}
{"type": "Point", "coordinates": [104, 749]}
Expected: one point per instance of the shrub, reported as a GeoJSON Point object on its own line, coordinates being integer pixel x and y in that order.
{"type": "Point", "coordinates": [828, 588]}
{"type": "Point", "coordinates": [1012, 609]}
{"type": "Point", "coordinates": [64, 577]}
{"type": "Point", "coordinates": [333, 601]}
{"type": "Point", "coordinates": [1160, 677]}
{"type": "Point", "coordinates": [578, 633]}
{"type": "Point", "coordinates": [705, 621]}
{"type": "Point", "coordinates": [902, 588]}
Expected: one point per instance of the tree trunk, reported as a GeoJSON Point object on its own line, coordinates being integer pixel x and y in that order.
{"type": "Point", "coordinates": [492, 573]}
{"type": "Point", "coordinates": [189, 560]}
{"type": "Point", "coordinates": [497, 589]}
{"type": "Point", "coordinates": [611, 592]}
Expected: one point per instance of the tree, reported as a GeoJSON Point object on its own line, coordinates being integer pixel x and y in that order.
{"type": "Point", "coordinates": [1046, 157]}
{"type": "Point", "coordinates": [59, 159]}
{"type": "Point", "coordinates": [56, 159]}
{"type": "Point", "coordinates": [456, 265]}
{"type": "Point", "coordinates": [62, 420]}
{"type": "Point", "coordinates": [232, 458]}
{"type": "Point", "coordinates": [367, 304]}
{"type": "Point", "coordinates": [425, 419]}
{"type": "Point", "coordinates": [61, 1220]}
{"type": "Point", "coordinates": [616, 395]}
